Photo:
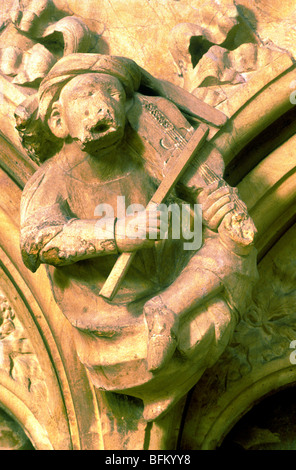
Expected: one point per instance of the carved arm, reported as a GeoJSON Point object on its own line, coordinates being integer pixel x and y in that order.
{"type": "Point", "coordinates": [62, 244]}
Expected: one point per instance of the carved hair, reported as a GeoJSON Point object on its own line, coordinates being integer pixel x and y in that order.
{"type": "Point", "coordinates": [36, 137]}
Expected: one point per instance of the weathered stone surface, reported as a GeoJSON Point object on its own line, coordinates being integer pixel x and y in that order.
{"type": "Point", "coordinates": [136, 333]}
{"type": "Point", "coordinates": [147, 318]}
{"type": "Point", "coordinates": [12, 436]}
{"type": "Point", "coordinates": [17, 358]}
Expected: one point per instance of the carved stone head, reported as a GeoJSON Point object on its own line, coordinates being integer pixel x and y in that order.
{"type": "Point", "coordinates": [84, 97]}
{"type": "Point", "coordinates": [91, 111]}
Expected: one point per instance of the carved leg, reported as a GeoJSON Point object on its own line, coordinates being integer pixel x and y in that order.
{"type": "Point", "coordinates": [163, 326]}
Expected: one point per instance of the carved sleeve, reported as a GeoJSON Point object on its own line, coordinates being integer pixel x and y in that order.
{"type": "Point", "coordinates": [51, 234]}
{"type": "Point", "coordinates": [78, 240]}
{"type": "Point", "coordinates": [61, 244]}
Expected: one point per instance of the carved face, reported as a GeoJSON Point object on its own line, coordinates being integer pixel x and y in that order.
{"type": "Point", "coordinates": [93, 111]}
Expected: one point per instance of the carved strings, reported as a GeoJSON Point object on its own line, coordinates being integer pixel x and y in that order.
{"type": "Point", "coordinates": [164, 122]}
{"type": "Point", "coordinates": [207, 173]}
{"type": "Point", "coordinates": [210, 177]}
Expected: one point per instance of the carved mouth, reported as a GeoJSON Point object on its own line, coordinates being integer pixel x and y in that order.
{"type": "Point", "coordinates": [101, 128]}
{"type": "Point", "coordinates": [98, 140]}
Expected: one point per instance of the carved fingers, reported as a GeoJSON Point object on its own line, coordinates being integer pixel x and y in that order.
{"type": "Point", "coordinates": [216, 201]}
{"type": "Point", "coordinates": [141, 230]}
{"type": "Point", "coordinates": [223, 211]}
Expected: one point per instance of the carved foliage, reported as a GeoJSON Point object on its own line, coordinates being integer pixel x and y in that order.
{"type": "Point", "coordinates": [36, 35]}
{"type": "Point", "coordinates": [221, 52]}
{"type": "Point", "coordinates": [17, 358]}
{"type": "Point", "coordinates": [268, 327]}
{"type": "Point", "coordinates": [12, 437]}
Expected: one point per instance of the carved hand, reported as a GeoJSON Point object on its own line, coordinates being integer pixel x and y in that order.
{"type": "Point", "coordinates": [216, 201]}
{"type": "Point", "coordinates": [141, 230]}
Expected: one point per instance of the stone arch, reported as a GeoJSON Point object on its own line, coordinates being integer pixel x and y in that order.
{"type": "Point", "coordinates": [252, 367]}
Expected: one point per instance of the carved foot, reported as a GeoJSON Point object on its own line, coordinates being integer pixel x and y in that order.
{"type": "Point", "coordinates": [162, 326]}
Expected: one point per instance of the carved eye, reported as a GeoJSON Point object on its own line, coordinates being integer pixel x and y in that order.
{"type": "Point", "coordinates": [116, 94]}
{"type": "Point", "coordinates": [104, 334]}
{"type": "Point", "coordinates": [56, 115]}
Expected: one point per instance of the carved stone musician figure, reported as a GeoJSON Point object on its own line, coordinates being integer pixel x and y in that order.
{"type": "Point", "coordinates": [102, 137]}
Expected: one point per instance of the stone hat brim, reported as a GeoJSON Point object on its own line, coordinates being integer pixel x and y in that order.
{"type": "Point", "coordinates": [124, 69]}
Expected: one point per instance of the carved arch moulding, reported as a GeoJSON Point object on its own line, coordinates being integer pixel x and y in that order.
{"type": "Point", "coordinates": [124, 325]}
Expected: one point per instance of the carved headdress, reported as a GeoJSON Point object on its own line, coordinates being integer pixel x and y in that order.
{"type": "Point", "coordinates": [126, 70]}
{"type": "Point", "coordinates": [31, 116]}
